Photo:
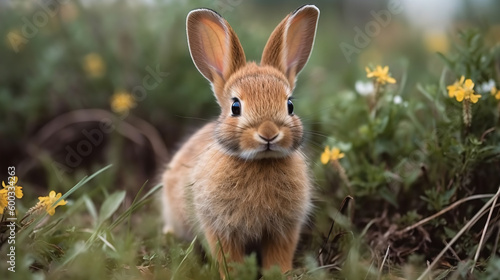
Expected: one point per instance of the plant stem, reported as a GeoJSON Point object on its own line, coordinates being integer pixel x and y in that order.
{"type": "Point", "coordinates": [374, 99]}
{"type": "Point", "coordinates": [343, 175]}
{"type": "Point", "coordinates": [467, 113]}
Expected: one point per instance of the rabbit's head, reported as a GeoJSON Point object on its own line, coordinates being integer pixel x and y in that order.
{"type": "Point", "coordinates": [257, 116]}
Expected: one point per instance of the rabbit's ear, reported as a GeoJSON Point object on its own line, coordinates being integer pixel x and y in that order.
{"type": "Point", "coordinates": [291, 42]}
{"type": "Point", "coordinates": [214, 47]}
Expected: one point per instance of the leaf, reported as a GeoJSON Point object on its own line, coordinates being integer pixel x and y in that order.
{"type": "Point", "coordinates": [475, 42]}
{"type": "Point", "coordinates": [447, 61]}
{"type": "Point", "coordinates": [27, 230]}
{"type": "Point", "coordinates": [389, 196]}
{"type": "Point", "coordinates": [91, 208]}
{"type": "Point", "coordinates": [136, 205]}
{"type": "Point", "coordinates": [273, 273]}
{"type": "Point", "coordinates": [380, 125]}
{"type": "Point", "coordinates": [83, 181]}
{"type": "Point", "coordinates": [248, 270]}
{"type": "Point", "coordinates": [450, 233]}
{"type": "Point", "coordinates": [78, 248]}
{"type": "Point", "coordinates": [106, 242]}
{"type": "Point", "coordinates": [188, 252]}
{"type": "Point", "coordinates": [110, 205]}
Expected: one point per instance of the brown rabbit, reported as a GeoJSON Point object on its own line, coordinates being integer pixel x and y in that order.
{"type": "Point", "coordinates": [242, 180]}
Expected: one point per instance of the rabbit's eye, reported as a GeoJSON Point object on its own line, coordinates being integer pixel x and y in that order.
{"type": "Point", "coordinates": [236, 107]}
{"type": "Point", "coordinates": [290, 107]}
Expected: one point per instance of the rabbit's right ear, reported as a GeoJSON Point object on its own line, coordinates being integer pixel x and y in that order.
{"type": "Point", "coordinates": [291, 42]}
{"type": "Point", "coordinates": [214, 47]}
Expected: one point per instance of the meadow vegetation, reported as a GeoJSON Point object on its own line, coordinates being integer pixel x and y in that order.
{"type": "Point", "coordinates": [402, 139]}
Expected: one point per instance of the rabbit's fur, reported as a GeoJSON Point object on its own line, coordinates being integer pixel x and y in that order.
{"type": "Point", "coordinates": [243, 179]}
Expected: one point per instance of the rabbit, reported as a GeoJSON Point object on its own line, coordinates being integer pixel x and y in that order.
{"type": "Point", "coordinates": [242, 181]}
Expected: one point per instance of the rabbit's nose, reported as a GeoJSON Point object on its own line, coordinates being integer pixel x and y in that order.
{"type": "Point", "coordinates": [268, 131]}
{"type": "Point", "coordinates": [268, 139]}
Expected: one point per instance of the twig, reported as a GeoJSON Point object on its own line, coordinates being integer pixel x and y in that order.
{"type": "Point", "coordinates": [343, 206]}
{"type": "Point", "coordinates": [152, 135]}
{"type": "Point", "coordinates": [79, 116]}
{"type": "Point", "coordinates": [464, 229]}
{"type": "Point", "coordinates": [458, 202]}
{"type": "Point", "coordinates": [483, 234]}
{"type": "Point", "coordinates": [495, 246]}
{"type": "Point", "coordinates": [383, 262]}
{"type": "Point", "coordinates": [333, 265]}
{"type": "Point", "coordinates": [488, 131]}
{"type": "Point", "coordinates": [453, 252]}
{"type": "Point", "coordinates": [133, 132]}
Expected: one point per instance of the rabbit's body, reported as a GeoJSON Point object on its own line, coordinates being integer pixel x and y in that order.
{"type": "Point", "coordinates": [243, 180]}
{"type": "Point", "coordinates": [247, 201]}
{"type": "Point", "coordinates": [252, 199]}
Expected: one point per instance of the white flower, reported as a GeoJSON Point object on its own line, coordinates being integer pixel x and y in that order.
{"type": "Point", "coordinates": [364, 88]}
{"type": "Point", "coordinates": [397, 99]}
{"type": "Point", "coordinates": [487, 86]}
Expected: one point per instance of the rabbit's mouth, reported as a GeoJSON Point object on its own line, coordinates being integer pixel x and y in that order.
{"type": "Point", "coordinates": [269, 150]}
{"type": "Point", "coordinates": [268, 147]}
{"type": "Point", "coordinates": [255, 144]}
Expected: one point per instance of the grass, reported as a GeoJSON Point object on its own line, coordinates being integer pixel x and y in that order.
{"type": "Point", "coordinates": [111, 248]}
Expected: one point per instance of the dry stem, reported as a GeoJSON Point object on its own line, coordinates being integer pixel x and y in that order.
{"type": "Point", "coordinates": [483, 234]}
{"type": "Point", "coordinates": [458, 202]}
{"type": "Point", "coordinates": [462, 231]}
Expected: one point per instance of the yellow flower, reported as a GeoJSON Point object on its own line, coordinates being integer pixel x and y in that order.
{"type": "Point", "coordinates": [18, 189]}
{"type": "Point", "coordinates": [4, 193]}
{"type": "Point", "coordinates": [94, 65]}
{"type": "Point", "coordinates": [3, 200]}
{"type": "Point", "coordinates": [48, 202]}
{"type": "Point", "coordinates": [380, 74]}
{"type": "Point", "coordinates": [495, 92]}
{"type": "Point", "coordinates": [467, 92]}
{"type": "Point", "coordinates": [122, 101]}
{"type": "Point", "coordinates": [436, 42]}
{"type": "Point", "coordinates": [333, 155]}
{"type": "Point", "coordinates": [456, 86]}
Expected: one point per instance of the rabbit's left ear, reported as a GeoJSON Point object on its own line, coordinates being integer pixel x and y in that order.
{"type": "Point", "coordinates": [291, 42]}
{"type": "Point", "coordinates": [214, 47]}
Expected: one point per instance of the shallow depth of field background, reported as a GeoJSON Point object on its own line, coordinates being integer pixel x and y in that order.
{"type": "Point", "coordinates": [60, 68]}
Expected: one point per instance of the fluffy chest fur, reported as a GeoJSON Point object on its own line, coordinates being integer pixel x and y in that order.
{"type": "Point", "coordinates": [250, 198]}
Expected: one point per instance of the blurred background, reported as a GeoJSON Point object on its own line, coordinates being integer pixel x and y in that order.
{"type": "Point", "coordinates": [62, 61]}
{"type": "Point", "coordinates": [87, 83]}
